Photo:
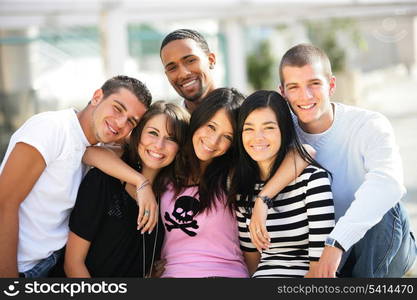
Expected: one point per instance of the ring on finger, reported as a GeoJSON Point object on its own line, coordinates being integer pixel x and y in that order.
{"type": "Point", "coordinates": [146, 213]}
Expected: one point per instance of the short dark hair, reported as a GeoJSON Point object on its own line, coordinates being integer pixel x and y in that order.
{"type": "Point", "coordinates": [134, 85]}
{"type": "Point", "coordinates": [178, 119]}
{"type": "Point", "coordinates": [304, 54]}
{"type": "Point", "coordinates": [182, 34]}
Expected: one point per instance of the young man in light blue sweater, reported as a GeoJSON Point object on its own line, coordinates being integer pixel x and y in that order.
{"type": "Point", "coordinates": [372, 236]}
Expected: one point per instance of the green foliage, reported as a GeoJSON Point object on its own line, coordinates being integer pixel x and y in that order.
{"type": "Point", "coordinates": [144, 40]}
{"type": "Point", "coordinates": [326, 35]}
{"type": "Point", "coordinates": [260, 67]}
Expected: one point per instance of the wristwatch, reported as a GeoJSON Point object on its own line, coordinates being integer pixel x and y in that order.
{"type": "Point", "coordinates": [333, 243]}
{"type": "Point", "coordinates": [268, 201]}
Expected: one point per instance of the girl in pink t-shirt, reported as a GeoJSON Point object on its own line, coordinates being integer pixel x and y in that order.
{"type": "Point", "coordinates": [201, 237]}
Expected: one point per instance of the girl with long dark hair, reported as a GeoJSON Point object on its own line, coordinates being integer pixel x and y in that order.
{"type": "Point", "coordinates": [302, 215]}
{"type": "Point", "coordinates": [201, 238]}
{"type": "Point", "coordinates": [104, 241]}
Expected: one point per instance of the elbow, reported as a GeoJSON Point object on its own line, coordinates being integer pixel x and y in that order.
{"type": "Point", "coordinates": [74, 267]}
{"type": "Point", "coordinates": [67, 266]}
{"type": "Point", "coordinates": [401, 190]}
{"type": "Point", "coordinates": [89, 155]}
{"type": "Point", "coordinates": [393, 186]}
{"type": "Point", "coordinates": [70, 266]}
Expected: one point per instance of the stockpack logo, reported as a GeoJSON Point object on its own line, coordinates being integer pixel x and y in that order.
{"type": "Point", "coordinates": [11, 290]}
{"type": "Point", "coordinates": [65, 288]}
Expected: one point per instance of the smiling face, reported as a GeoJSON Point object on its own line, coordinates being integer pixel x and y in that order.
{"type": "Point", "coordinates": [157, 146]}
{"type": "Point", "coordinates": [115, 116]}
{"type": "Point", "coordinates": [308, 91]}
{"type": "Point", "coordinates": [214, 138]}
{"type": "Point", "coordinates": [187, 68]}
{"type": "Point", "coordinates": [261, 138]}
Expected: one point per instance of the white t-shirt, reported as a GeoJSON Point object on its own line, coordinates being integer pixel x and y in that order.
{"type": "Point", "coordinates": [44, 214]}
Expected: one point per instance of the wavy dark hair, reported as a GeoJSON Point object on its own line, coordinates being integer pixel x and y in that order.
{"type": "Point", "coordinates": [178, 120]}
{"type": "Point", "coordinates": [213, 182]}
{"type": "Point", "coordinates": [247, 172]}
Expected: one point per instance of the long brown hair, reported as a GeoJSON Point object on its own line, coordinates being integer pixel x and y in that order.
{"type": "Point", "coordinates": [178, 120]}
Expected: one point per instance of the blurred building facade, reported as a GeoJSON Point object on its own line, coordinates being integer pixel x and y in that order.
{"type": "Point", "coordinates": [54, 54]}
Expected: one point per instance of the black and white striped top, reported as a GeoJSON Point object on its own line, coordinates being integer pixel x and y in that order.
{"type": "Point", "coordinates": [298, 224]}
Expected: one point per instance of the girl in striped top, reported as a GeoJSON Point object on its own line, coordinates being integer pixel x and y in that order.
{"type": "Point", "coordinates": [302, 215]}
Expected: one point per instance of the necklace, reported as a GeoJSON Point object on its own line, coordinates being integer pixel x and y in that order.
{"type": "Point", "coordinates": [153, 251]}
{"type": "Point", "coordinates": [144, 241]}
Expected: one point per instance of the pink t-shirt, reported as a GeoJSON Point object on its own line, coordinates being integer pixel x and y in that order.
{"type": "Point", "coordinates": [203, 245]}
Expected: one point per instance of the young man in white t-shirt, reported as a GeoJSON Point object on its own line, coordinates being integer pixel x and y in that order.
{"type": "Point", "coordinates": [42, 170]}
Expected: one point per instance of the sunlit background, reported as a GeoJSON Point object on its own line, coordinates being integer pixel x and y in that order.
{"type": "Point", "coordinates": [55, 53]}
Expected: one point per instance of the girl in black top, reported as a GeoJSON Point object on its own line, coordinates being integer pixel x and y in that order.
{"type": "Point", "coordinates": [103, 239]}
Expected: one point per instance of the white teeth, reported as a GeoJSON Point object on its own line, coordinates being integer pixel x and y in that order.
{"type": "Point", "coordinates": [207, 148]}
{"type": "Point", "coordinates": [189, 83]}
{"type": "Point", "coordinates": [155, 155]}
{"type": "Point", "coordinates": [112, 130]}
{"type": "Point", "coordinates": [260, 147]}
{"type": "Point", "coordinates": [306, 106]}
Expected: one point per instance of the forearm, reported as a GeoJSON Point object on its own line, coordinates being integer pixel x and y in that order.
{"type": "Point", "coordinates": [375, 175]}
{"type": "Point", "coordinates": [9, 229]}
{"type": "Point", "coordinates": [76, 269]}
{"type": "Point", "coordinates": [372, 201]}
{"type": "Point", "coordinates": [380, 189]}
{"type": "Point", "coordinates": [290, 168]}
{"type": "Point", "coordinates": [75, 255]}
{"type": "Point", "coordinates": [120, 170]}
{"type": "Point", "coordinates": [111, 164]}
{"type": "Point", "coordinates": [252, 260]}
{"type": "Point", "coordinates": [328, 263]}
{"type": "Point", "coordinates": [20, 173]}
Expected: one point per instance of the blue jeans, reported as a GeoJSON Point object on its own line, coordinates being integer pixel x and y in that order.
{"type": "Point", "coordinates": [42, 268]}
{"type": "Point", "coordinates": [387, 250]}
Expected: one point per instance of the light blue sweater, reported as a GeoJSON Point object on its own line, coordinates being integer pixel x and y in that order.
{"type": "Point", "coordinates": [360, 151]}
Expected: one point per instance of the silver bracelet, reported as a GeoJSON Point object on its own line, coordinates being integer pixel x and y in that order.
{"type": "Point", "coordinates": [145, 183]}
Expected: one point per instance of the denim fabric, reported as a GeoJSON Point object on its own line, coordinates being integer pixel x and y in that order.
{"type": "Point", "coordinates": [44, 266]}
{"type": "Point", "coordinates": [387, 250]}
